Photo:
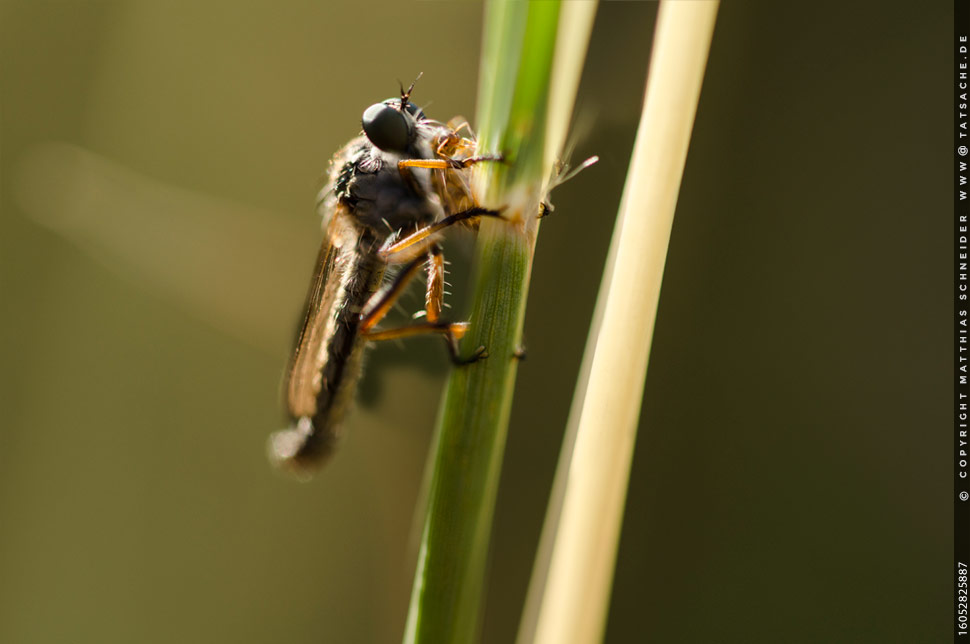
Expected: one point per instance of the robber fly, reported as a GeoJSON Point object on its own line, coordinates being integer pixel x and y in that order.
{"type": "Point", "coordinates": [390, 191]}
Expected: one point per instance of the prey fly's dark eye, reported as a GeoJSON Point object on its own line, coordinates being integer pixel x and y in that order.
{"type": "Point", "coordinates": [387, 127]}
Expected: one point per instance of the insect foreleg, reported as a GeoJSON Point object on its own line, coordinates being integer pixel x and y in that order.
{"type": "Point", "coordinates": [446, 164]}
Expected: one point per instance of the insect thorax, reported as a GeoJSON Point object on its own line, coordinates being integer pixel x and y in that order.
{"type": "Point", "coordinates": [378, 195]}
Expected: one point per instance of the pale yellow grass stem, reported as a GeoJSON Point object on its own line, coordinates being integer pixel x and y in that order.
{"type": "Point", "coordinates": [577, 586]}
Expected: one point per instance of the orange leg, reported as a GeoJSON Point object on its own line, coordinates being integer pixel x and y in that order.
{"type": "Point", "coordinates": [404, 167]}
{"type": "Point", "coordinates": [378, 306]}
{"type": "Point", "coordinates": [434, 296]}
{"type": "Point", "coordinates": [445, 164]}
{"type": "Point", "coordinates": [375, 310]}
{"type": "Point", "coordinates": [422, 234]}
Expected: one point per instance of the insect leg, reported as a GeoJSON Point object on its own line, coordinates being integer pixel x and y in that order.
{"type": "Point", "coordinates": [404, 167]}
{"type": "Point", "coordinates": [445, 164]}
{"type": "Point", "coordinates": [434, 296]}
{"type": "Point", "coordinates": [434, 300]}
{"type": "Point", "coordinates": [455, 329]}
{"type": "Point", "coordinates": [375, 310]}
{"type": "Point", "coordinates": [452, 331]}
{"type": "Point", "coordinates": [378, 306]}
{"type": "Point", "coordinates": [422, 234]}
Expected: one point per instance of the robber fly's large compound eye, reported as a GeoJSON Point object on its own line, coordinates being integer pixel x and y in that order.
{"type": "Point", "coordinates": [413, 110]}
{"type": "Point", "coordinates": [387, 127]}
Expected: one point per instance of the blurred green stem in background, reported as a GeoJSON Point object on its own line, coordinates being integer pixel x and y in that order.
{"type": "Point", "coordinates": [514, 108]}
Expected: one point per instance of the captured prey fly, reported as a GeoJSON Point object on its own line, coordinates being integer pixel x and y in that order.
{"type": "Point", "coordinates": [390, 191]}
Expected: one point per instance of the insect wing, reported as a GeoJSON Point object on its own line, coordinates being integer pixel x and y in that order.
{"type": "Point", "coordinates": [309, 440]}
{"type": "Point", "coordinates": [302, 378]}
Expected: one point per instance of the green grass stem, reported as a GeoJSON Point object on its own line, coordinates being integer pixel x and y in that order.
{"type": "Point", "coordinates": [514, 89]}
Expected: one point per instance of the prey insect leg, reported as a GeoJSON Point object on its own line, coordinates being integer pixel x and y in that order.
{"type": "Point", "coordinates": [375, 310]}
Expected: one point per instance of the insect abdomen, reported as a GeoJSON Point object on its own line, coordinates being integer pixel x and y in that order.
{"type": "Point", "coordinates": [327, 366]}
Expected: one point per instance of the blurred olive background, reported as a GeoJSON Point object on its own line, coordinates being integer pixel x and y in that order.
{"type": "Point", "coordinates": [159, 169]}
